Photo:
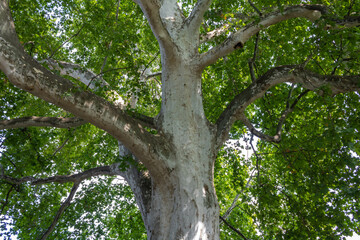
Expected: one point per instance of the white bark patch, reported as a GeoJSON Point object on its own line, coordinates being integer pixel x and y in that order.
{"type": "Point", "coordinates": [37, 71]}
{"type": "Point", "coordinates": [127, 127]}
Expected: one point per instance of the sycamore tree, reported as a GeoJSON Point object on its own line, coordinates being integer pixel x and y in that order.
{"type": "Point", "coordinates": [148, 92]}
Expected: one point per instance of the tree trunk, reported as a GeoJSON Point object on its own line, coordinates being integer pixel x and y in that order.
{"type": "Point", "coordinates": [185, 208]}
{"type": "Point", "coordinates": [184, 205]}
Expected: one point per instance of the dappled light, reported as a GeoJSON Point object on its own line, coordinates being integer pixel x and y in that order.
{"type": "Point", "coordinates": [169, 119]}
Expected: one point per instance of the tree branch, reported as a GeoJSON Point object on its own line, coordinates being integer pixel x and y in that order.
{"type": "Point", "coordinates": [153, 75]}
{"type": "Point", "coordinates": [155, 11]}
{"type": "Point", "coordinates": [292, 74]}
{"type": "Point", "coordinates": [111, 170]}
{"type": "Point", "coordinates": [257, 133]}
{"type": "Point", "coordinates": [347, 22]}
{"type": "Point", "coordinates": [87, 76]}
{"type": "Point", "coordinates": [75, 71]}
{"type": "Point", "coordinates": [252, 60]}
{"type": "Point", "coordinates": [27, 74]}
{"type": "Point", "coordinates": [76, 34]}
{"type": "Point", "coordinates": [240, 37]}
{"type": "Point", "coordinates": [233, 228]}
{"type": "Point", "coordinates": [287, 111]}
{"type": "Point", "coordinates": [6, 199]}
{"type": "Point", "coordinates": [233, 204]}
{"type": "Point", "coordinates": [255, 8]}
{"type": "Point", "coordinates": [277, 137]}
{"type": "Point", "coordinates": [61, 210]}
{"type": "Point", "coordinates": [41, 122]}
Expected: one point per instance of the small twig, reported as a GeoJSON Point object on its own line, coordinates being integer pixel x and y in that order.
{"type": "Point", "coordinates": [117, 10]}
{"type": "Point", "coordinates": [258, 158]}
{"type": "Point", "coordinates": [233, 204]}
{"type": "Point", "coordinates": [8, 158]}
{"type": "Point", "coordinates": [105, 59]}
{"type": "Point", "coordinates": [6, 199]}
{"type": "Point", "coordinates": [252, 60]}
{"type": "Point", "coordinates": [61, 146]}
{"type": "Point", "coordinates": [289, 96]}
{"type": "Point", "coordinates": [233, 228]}
{"type": "Point", "coordinates": [287, 111]}
{"type": "Point", "coordinates": [109, 170]}
{"type": "Point", "coordinates": [157, 54]}
{"type": "Point", "coordinates": [254, 131]}
{"type": "Point", "coordinates": [303, 65]}
{"type": "Point", "coordinates": [110, 44]}
{"type": "Point", "coordinates": [256, 9]}
{"type": "Point", "coordinates": [77, 33]}
{"type": "Point", "coordinates": [320, 66]}
{"type": "Point", "coordinates": [102, 73]}
{"type": "Point", "coordinates": [350, 7]}
{"type": "Point", "coordinates": [61, 210]}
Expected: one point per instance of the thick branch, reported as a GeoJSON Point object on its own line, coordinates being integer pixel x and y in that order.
{"type": "Point", "coordinates": [240, 37]}
{"type": "Point", "coordinates": [61, 210]}
{"type": "Point", "coordinates": [293, 74]}
{"type": "Point", "coordinates": [24, 72]}
{"type": "Point", "coordinates": [347, 22]}
{"type": "Point", "coordinates": [29, 75]}
{"type": "Point", "coordinates": [85, 76]}
{"type": "Point", "coordinates": [76, 71]}
{"type": "Point", "coordinates": [41, 122]}
{"type": "Point", "coordinates": [111, 170]}
{"type": "Point", "coordinates": [145, 120]}
{"type": "Point", "coordinates": [155, 11]}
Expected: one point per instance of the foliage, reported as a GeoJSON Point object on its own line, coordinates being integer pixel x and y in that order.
{"type": "Point", "coordinates": [305, 187]}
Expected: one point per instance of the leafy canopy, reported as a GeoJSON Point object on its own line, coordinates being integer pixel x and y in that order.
{"type": "Point", "coordinates": [305, 187]}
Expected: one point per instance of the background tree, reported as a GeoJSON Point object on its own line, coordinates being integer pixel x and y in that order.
{"type": "Point", "coordinates": [151, 90]}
